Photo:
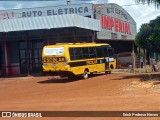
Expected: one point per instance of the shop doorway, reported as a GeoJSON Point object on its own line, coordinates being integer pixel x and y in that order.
{"type": "Point", "coordinates": [30, 56]}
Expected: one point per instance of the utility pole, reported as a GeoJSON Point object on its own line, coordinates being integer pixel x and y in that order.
{"type": "Point", "coordinates": [28, 54]}
{"type": "Point", "coordinates": [133, 58]}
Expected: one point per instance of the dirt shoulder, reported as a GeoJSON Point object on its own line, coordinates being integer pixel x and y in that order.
{"type": "Point", "coordinates": [112, 92]}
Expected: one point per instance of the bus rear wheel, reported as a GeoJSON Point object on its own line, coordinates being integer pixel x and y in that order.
{"type": "Point", "coordinates": [110, 69]}
{"type": "Point", "coordinates": [85, 74]}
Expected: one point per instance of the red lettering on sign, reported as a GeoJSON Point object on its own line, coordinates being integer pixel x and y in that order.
{"type": "Point", "coordinates": [12, 14]}
{"type": "Point", "coordinates": [6, 15]}
{"type": "Point", "coordinates": [129, 30]}
{"type": "Point", "coordinates": [104, 22]}
{"type": "Point", "coordinates": [126, 28]}
{"type": "Point", "coordinates": [115, 24]}
{"type": "Point", "coordinates": [120, 26]}
{"type": "Point", "coordinates": [111, 23]}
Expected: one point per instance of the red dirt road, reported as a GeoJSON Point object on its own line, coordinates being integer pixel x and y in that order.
{"type": "Point", "coordinates": [100, 93]}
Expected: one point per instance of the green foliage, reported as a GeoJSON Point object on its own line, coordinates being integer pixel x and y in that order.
{"type": "Point", "coordinates": [141, 54]}
{"type": "Point", "coordinates": [143, 37]}
{"type": "Point", "coordinates": [149, 36]}
{"type": "Point", "coordinates": [155, 36]}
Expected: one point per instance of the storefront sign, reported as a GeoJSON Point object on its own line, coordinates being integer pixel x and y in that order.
{"type": "Point", "coordinates": [116, 23]}
{"type": "Point", "coordinates": [81, 9]}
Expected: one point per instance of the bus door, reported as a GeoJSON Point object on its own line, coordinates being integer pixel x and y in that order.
{"type": "Point", "coordinates": [106, 57]}
{"type": "Point", "coordinates": [111, 54]}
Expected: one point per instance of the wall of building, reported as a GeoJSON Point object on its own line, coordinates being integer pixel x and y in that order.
{"type": "Point", "coordinates": [13, 53]}
{"type": "Point", "coordinates": [2, 60]}
{"type": "Point", "coordinates": [117, 26]}
{"type": "Point", "coordinates": [23, 49]}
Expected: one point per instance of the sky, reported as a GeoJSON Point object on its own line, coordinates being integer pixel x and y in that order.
{"type": "Point", "coordinates": [141, 13]}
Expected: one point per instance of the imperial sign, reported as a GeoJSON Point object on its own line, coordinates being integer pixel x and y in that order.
{"type": "Point", "coordinates": [116, 23]}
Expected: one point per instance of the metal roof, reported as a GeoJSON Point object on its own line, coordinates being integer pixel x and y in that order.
{"type": "Point", "coordinates": [48, 22]}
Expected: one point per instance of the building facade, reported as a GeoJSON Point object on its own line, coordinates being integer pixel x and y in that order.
{"type": "Point", "coordinates": [24, 32]}
{"type": "Point", "coordinates": [119, 30]}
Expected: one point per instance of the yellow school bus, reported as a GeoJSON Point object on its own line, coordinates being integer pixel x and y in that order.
{"type": "Point", "coordinates": [69, 59]}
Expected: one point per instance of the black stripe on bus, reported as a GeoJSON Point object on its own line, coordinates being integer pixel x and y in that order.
{"type": "Point", "coordinates": [83, 63]}
{"type": "Point", "coordinates": [75, 64]}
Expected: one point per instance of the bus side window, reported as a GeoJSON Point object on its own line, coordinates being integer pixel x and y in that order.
{"type": "Point", "coordinates": [71, 52]}
{"type": "Point", "coordinates": [99, 52]}
{"type": "Point", "coordinates": [85, 53]}
{"type": "Point", "coordinates": [78, 53]}
{"type": "Point", "coordinates": [105, 52]}
{"type": "Point", "coordinates": [92, 52]}
{"type": "Point", "coordinates": [75, 53]}
{"type": "Point", "coordinates": [111, 53]}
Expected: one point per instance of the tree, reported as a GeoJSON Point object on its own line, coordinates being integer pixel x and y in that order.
{"type": "Point", "coordinates": [149, 37]}
{"type": "Point", "coordinates": [155, 36]}
{"type": "Point", "coordinates": [143, 39]}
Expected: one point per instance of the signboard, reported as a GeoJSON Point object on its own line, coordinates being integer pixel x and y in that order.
{"type": "Point", "coordinates": [54, 51]}
{"type": "Point", "coordinates": [80, 9]}
{"type": "Point", "coordinates": [116, 23]}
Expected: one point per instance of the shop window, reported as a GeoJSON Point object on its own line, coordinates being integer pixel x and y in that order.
{"type": "Point", "coordinates": [40, 53]}
{"type": "Point", "coordinates": [124, 36]}
{"type": "Point", "coordinates": [35, 54]}
{"type": "Point", "coordinates": [23, 54]}
{"type": "Point", "coordinates": [23, 45]}
{"type": "Point", "coordinates": [114, 36]}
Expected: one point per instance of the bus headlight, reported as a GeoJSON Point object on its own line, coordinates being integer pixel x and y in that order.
{"type": "Point", "coordinates": [66, 61]}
